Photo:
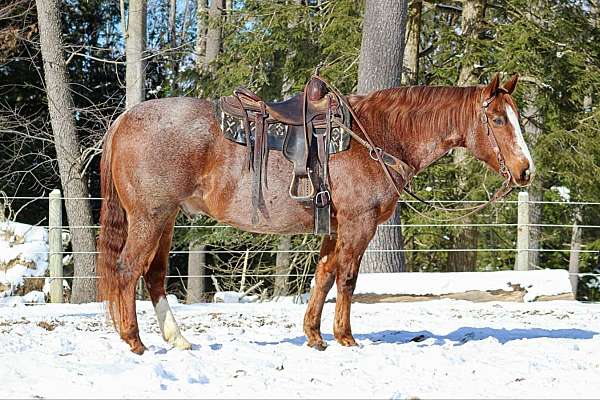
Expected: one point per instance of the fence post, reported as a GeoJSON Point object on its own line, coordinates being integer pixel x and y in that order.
{"type": "Point", "coordinates": [55, 246]}
{"type": "Point", "coordinates": [522, 260]}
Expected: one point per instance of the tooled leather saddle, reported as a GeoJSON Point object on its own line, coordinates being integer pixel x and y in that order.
{"type": "Point", "coordinates": [303, 128]}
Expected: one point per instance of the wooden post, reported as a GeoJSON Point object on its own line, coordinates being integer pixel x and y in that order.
{"type": "Point", "coordinates": [522, 259]}
{"type": "Point", "coordinates": [575, 250]}
{"type": "Point", "coordinates": [139, 289]}
{"type": "Point", "coordinates": [55, 246]}
{"type": "Point", "coordinates": [196, 284]}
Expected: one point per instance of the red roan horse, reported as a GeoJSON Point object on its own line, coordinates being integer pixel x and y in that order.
{"type": "Point", "coordinates": [170, 154]}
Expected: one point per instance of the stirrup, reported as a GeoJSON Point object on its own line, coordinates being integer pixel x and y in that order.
{"type": "Point", "coordinates": [302, 187]}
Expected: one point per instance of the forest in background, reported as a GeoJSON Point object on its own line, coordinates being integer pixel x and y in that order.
{"type": "Point", "coordinates": [205, 49]}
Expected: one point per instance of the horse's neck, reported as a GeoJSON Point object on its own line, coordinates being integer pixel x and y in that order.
{"type": "Point", "coordinates": [423, 136]}
{"type": "Point", "coordinates": [422, 150]}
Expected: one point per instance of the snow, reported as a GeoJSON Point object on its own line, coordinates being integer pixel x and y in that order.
{"type": "Point", "coordinates": [233, 297]}
{"type": "Point", "coordinates": [546, 282]}
{"type": "Point", "coordinates": [563, 191]}
{"type": "Point", "coordinates": [33, 297]}
{"type": "Point", "coordinates": [23, 252]}
{"type": "Point", "coordinates": [433, 349]}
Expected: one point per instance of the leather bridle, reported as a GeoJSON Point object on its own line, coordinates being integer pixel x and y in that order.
{"type": "Point", "coordinates": [504, 171]}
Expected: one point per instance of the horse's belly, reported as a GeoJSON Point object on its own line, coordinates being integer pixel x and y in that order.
{"type": "Point", "coordinates": [227, 197]}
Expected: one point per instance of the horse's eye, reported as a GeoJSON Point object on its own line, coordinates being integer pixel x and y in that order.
{"type": "Point", "coordinates": [499, 121]}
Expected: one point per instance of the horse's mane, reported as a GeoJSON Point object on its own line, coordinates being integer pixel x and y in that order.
{"type": "Point", "coordinates": [418, 110]}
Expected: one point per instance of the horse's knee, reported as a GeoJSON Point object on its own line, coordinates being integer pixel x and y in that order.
{"type": "Point", "coordinates": [346, 281]}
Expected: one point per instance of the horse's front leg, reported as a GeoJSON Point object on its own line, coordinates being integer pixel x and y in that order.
{"type": "Point", "coordinates": [324, 278]}
{"type": "Point", "coordinates": [353, 239]}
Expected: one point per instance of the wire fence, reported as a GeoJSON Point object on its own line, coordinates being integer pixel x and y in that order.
{"type": "Point", "coordinates": [236, 274]}
{"type": "Point", "coordinates": [502, 201]}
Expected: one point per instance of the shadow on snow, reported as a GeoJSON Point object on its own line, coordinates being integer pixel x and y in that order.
{"type": "Point", "coordinates": [458, 337]}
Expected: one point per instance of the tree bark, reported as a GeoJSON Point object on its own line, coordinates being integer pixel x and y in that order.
{"type": "Point", "coordinates": [386, 237]}
{"type": "Point", "coordinates": [173, 44]}
{"type": "Point", "coordinates": [213, 33]}
{"type": "Point", "coordinates": [196, 287]}
{"type": "Point", "coordinates": [282, 260]}
{"type": "Point", "coordinates": [382, 46]}
{"type": "Point", "coordinates": [135, 47]}
{"type": "Point", "coordinates": [410, 70]}
{"type": "Point", "coordinates": [282, 266]}
{"type": "Point", "coordinates": [532, 122]}
{"type": "Point", "coordinates": [201, 26]}
{"type": "Point", "coordinates": [74, 183]}
{"type": "Point", "coordinates": [286, 87]}
{"type": "Point", "coordinates": [380, 67]}
{"type": "Point", "coordinates": [472, 16]}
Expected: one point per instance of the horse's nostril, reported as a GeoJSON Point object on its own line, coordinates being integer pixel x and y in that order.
{"type": "Point", "coordinates": [526, 175]}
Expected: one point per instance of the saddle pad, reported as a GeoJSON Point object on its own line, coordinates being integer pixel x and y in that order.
{"type": "Point", "coordinates": [233, 129]}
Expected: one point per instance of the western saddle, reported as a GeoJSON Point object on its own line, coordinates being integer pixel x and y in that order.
{"type": "Point", "coordinates": [304, 128]}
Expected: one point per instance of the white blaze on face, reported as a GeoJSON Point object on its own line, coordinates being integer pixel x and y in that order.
{"type": "Point", "coordinates": [514, 121]}
{"type": "Point", "coordinates": [168, 325]}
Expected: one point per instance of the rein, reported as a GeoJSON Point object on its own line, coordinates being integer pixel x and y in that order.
{"type": "Point", "coordinates": [407, 172]}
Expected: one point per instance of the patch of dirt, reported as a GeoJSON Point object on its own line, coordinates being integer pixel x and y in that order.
{"type": "Point", "coordinates": [49, 326]}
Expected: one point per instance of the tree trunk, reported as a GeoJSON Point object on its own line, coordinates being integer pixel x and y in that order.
{"type": "Point", "coordinates": [382, 46]}
{"type": "Point", "coordinates": [410, 70]}
{"type": "Point", "coordinates": [532, 122]}
{"type": "Point", "coordinates": [201, 25]}
{"type": "Point", "coordinates": [74, 183]}
{"type": "Point", "coordinates": [173, 44]}
{"type": "Point", "coordinates": [380, 67]}
{"type": "Point", "coordinates": [196, 286]}
{"type": "Point", "coordinates": [282, 266]}
{"type": "Point", "coordinates": [286, 87]}
{"type": "Point", "coordinates": [472, 16]}
{"type": "Point", "coordinates": [213, 33]}
{"type": "Point", "coordinates": [135, 47]}
{"type": "Point", "coordinates": [282, 261]}
{"type": "Point", "coordinates": [575, 249]}
{"type": "Point", "coordinates": [386, 237]}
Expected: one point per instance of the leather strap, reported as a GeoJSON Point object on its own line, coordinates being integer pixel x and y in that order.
{"type": "Point", "coordinates": [261, 152]}
{"type": "Point", "coordinates": [247, 131]}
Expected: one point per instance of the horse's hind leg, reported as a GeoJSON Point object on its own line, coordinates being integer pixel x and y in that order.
{"type": "Point", "coordinates": [324, 278]}
{"type": "Point", "coordinates": [155, 283]}
{"type": "Point", "coordinates": [143, 236]}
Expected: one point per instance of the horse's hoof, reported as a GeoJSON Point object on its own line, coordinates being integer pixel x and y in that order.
{"type": "Point", "coordinates": [181, 343]}
{"type": "Point", "coordinates": [138, 349]}
{"type": "Point", "coordinates": [347, 341]}
{"type": "Point", "coordinates": [317, 345]}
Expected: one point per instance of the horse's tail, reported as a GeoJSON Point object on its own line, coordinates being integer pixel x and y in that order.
{"type": "Point", "coordinates": [113, 231]}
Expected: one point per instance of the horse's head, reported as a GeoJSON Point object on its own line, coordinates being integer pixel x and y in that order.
{"type": "Point", "coordinates": [498, 140]}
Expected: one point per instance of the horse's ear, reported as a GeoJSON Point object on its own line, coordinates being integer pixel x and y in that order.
{"type": "Point", "coordinates": [492, 87]}
{"type": "Point", "coordinates": [510, 85]}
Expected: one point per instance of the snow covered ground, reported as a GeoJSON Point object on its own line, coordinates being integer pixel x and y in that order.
{"type": "Point", "coordinates": [546, 282]}
{"type": "Point", "coordinates": [440, 348]}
